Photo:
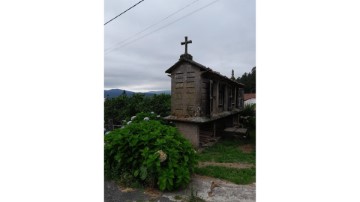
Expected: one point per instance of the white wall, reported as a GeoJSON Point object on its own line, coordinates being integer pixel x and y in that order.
{"type": "Point", "coordinates": [250, 101]}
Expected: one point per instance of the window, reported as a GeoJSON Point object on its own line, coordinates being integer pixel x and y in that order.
{"type": "Point", "coordinates": [241, 98]}
{"type": "Point", "coordinates": [221, 95]}
{"type": "Point", "coordinates": [230, 100]}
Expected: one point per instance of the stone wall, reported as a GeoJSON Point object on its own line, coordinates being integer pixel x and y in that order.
{"type": "Point", "coordinates": [190, 131]}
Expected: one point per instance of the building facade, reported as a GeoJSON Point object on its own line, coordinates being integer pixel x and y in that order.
{"type": "Point", "coordinates": [203, 102]}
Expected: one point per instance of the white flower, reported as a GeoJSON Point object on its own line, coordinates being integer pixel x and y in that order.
{"type": "Point", "coordinates": [152, 112]}
{"type": "Point", "coordinates": [158, 116]}
{"type": "Point", "coordinates": [132, 118]}
{"type": "Point", "coordinates": [162, 155]}
{"type": "Point", "coordinates": [128, 122]}
{"type": "Point", "coordinates": [146, 118]}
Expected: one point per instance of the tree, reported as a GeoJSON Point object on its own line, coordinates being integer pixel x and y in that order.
{"type": "Point", "coordinates": [232, 75]}
{"type": "Point", "coordinates": [249, 80]}
{"type": "Point", "coordinates": [123, 107]}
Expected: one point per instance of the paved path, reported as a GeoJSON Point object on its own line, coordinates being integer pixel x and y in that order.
{"type": "Point", "coordinates": [225, 191]}
{"type": "Point", "coordinates": [228, 165]}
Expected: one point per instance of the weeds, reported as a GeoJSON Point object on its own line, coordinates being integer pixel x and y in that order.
{"type": "Point", "coordinates": [238, 176]}
{"type": "Point", "coordinates": [227, 151]}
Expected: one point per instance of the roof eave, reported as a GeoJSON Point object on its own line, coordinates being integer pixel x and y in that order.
{"type": "Point", "coordinates": [181, 60]}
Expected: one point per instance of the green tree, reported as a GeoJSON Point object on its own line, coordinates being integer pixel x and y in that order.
{"type": "Point", "coordinates": [123, 107]}
{"type": "Point", "coordinates": [249, 80]}
{"type": "Point", "coordinates": [160, 104]}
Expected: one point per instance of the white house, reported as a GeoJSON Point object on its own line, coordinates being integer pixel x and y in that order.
{"type": "Point", "coordinates": [249, 98]}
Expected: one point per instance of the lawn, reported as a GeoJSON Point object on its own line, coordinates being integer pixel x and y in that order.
{"type": "Point", "coordinates": [238, 176]}
{"type": "Point", "coordinates": [228, 150]}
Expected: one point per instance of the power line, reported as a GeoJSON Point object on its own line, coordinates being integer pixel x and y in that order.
{"type": "Point", "coordinates": [172, 14]}
{"type": "Point", "coordinates": [207, 5]}
{"type": "Point", "coordinates": [169, 24]}
{"type": "Point", "coordinates": [124, 12]}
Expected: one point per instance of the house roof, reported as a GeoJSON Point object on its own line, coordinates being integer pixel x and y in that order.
{"type": "Point", "coordinates": [185, 58]}
{"type": "Point", "coordinates": [248, 96]}
{"type": "Point", "coordinates": [213, 74]}
{"type": "Point", "coordinates": [208, 72]}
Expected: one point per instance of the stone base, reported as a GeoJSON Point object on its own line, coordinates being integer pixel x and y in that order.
{"type": "Point", "coordinates": [190, 131]}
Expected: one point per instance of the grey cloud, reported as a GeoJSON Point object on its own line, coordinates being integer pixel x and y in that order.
{"type": "Point", "coordinates": [223, 38]}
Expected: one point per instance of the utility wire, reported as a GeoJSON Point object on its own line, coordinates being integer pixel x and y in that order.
{"type": "Point", "coordinates": [207, 5]}
{"type": "Point", "coordinates": [167, 17]}
{"type": "Point", "coordinates": [124, 12]}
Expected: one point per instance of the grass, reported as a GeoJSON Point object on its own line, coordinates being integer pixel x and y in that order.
{"type": "Point", "coordinates": [228, 151]}
{"type": "Point", "coordinates": [238, 176]}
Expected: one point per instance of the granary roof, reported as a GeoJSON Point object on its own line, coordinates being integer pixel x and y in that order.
{"type": "Point", "coordinates": [186, 58]}
{"type": "Point", "coordinates": [212, 74]}
{"type": "Point", "coordinates": [208, 72]}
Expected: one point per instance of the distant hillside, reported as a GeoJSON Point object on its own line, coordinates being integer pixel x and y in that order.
{"type": "Point", "coordinates": [117, 92]}
{"type": "Point", "coordinates": [159, 92]}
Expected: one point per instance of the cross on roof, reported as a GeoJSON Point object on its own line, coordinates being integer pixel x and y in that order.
{"type": "Point", "coordinates": [186, 43]}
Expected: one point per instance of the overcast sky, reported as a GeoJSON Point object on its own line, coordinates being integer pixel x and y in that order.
{"type": "Point", "coordinates": [222, 34]}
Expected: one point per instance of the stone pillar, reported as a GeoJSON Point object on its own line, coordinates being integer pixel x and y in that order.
{"type": "Point", "coordinates": [190, 131]}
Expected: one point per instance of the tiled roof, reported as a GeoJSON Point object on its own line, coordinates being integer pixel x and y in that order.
{"type": "Point", "coordinates": [248, 96]}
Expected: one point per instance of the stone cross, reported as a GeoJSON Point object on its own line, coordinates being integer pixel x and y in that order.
{"type": "Point", "coordinates": [186, 43]}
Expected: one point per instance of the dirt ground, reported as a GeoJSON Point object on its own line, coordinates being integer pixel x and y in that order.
{"type": "Point", "coordinates": [247, 148]}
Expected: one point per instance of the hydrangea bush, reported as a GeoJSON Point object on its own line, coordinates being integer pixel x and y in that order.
{"type": "Point", "coordinates": [150, 153]}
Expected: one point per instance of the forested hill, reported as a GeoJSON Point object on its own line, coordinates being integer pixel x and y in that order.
{"type": "Point", "coordinates": [116, 92]}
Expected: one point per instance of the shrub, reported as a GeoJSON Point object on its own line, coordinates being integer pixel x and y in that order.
{"type": "Point", "coordinates": [249, 112]}
{"type": "Point", "coordinates": [140, 117]}
{"type": "Point", "coordinates": [152, 153]}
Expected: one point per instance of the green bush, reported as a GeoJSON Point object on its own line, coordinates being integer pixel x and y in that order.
{"type": "Point", "coordinates": [150, 115]}
{"type": "Point", "coordinates": [249, 112]}
{"type": "Point", "coordinates": [151, 153]}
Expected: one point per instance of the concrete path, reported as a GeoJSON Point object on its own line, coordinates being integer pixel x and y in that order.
{"type": "Point", "coordinates": [228, 165]}
{"type": "Point", "coordinates": [200, 186]}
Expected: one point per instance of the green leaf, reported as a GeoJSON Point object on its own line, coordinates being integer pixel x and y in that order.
{"type": "Point", "coordinates": [143, 173]}
{"type": "Point", "coordinates": [162, 183]}
{"type": "Point", "coordinates": [136, 173]}
{"type": "Point", "coordinates": [186, 158]}
{"type": "Point", "coordinates": [171, 182]}
{"type": "Point", "coordinates": [117, 157]}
